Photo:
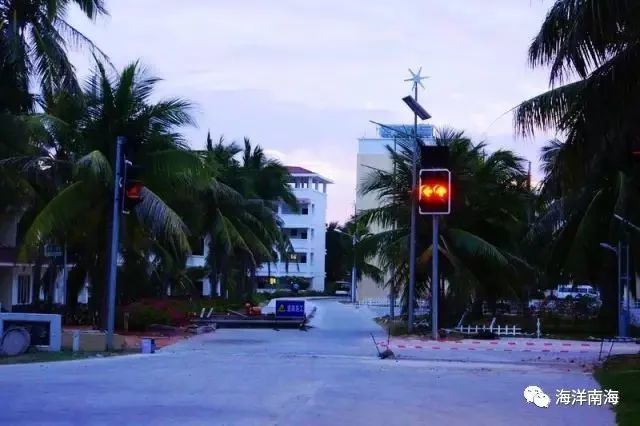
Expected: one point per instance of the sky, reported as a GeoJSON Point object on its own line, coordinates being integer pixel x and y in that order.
{"type": "Point", "coordinates": [302, 78]}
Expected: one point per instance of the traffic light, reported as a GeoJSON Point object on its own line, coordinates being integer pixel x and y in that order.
{"type": "Point", "coordinates": [434, 197]}
{"type": "Point", "coordinates": [132, 193]}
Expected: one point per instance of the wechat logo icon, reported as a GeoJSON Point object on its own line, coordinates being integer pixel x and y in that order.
{"type": "Point", "coordinates": [535, 395]}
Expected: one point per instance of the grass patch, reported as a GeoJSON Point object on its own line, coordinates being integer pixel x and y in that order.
{"type": "Point", "coordinates": [43, 356]}
{"type": "Point", "coordinates": [622, 373]}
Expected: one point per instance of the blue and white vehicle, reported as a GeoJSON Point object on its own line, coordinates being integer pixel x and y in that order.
{"type": "Point", "coordinates": [564, 291]}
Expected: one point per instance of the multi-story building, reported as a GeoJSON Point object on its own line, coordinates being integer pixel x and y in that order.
{"type": "Point", "coordinates": [373, 153]}
{"type": "Point", "coordinates": [306, 229]}
{"type": "Point", "coordinates": [17, 277]}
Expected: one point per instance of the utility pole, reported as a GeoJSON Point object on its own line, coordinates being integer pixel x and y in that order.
{"type": "Point", "coordinates": [115, 242]}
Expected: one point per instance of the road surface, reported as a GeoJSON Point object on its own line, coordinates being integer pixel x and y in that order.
{"type": "Point", "coordinates": [325, 376]}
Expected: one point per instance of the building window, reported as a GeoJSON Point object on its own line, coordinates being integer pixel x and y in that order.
{"type": "Point", "coordinates": [312, 232]}
{"type": "Point", "coordinates": [298, 257]}
{"type": "Point", "coordinates": [298, 233]}
{"type": "Point", "coordinates": [286, 209]}
{"type": "Point", "coordinates": [304, 209]}
{"type": "Point", "coordinates": [24, 289]}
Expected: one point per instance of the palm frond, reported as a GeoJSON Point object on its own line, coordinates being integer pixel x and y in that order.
{"type": "Point", "coordinates": [94, 166]}
{"type": "Point", "coordinates": [162, 222]}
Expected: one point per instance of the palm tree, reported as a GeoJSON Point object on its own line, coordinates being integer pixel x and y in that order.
{"type": "Point", "coordinates": [576, 214]}
{"type": "Point", "coordinates": [239, 207]}
{"type": "Point", "coordinates": [34, 37]}
{"type": "Point", "coordinates": [589, 175]}
{"type": "Point", "coordinates": [363, 252]}
{"type": "Point", "coordinates": [83, 140]}
{"type": "Point", "coordinates": [337, 262]}
{"type": "Point", "coordinates": [479, 240]}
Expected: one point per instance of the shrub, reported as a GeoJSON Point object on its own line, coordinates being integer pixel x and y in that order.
{"type": "Point", "coordinates": [142, 316]}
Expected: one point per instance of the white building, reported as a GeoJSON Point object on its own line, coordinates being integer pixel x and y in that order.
{"type": "Point", "coordinates": [17, 278]}
{"type": "Point", "coordinates": [373, 154]}
{"type": "Point", "coordinates": [306, 229]}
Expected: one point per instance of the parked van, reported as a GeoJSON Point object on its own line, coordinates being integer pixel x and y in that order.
{"type": "Point", "coordinates": [564, 291]}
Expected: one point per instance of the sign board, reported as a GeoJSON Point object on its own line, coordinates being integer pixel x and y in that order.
{"type": "Point", "coordinates": [52, 250]}
{"type": "Point", "coordinates": [289, 308]}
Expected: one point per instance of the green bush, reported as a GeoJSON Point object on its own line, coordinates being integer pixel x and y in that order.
{"type": "Point", "coordinates": [142, 316]}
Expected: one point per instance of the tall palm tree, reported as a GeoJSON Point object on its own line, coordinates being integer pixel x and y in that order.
{"type": "Point", "coordinates": [34, 37]}
{"type": "Point", "coordinates": [593, 51]}
{"type": "Point", "coordinates": [240, 213]}
{"type": "Point", "coordinates": [84, 139]}
{"type": "Point", "coordinates": [479, 240]}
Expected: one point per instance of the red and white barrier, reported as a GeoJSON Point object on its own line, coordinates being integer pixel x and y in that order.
{"type": "Point", "coordinates": [510, 345]}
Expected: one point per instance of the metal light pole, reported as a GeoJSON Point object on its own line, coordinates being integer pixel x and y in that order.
{"type": "Point", "coordinates": [627, 281]}
{"type": "Point", "coordinates": [415, 106]}
{"type": "Point", "coordinates": [435, 282]}
{"type": "Point", "coordinates": [115, 234]}
{"type": "Point", "coordinates": [627, 272]}
{"type": "Point", "coordinates": [353, 270]}
{"type": "Point", "coordinates": [412, 235]}
{"type": "Point", "coordinates": [392, 292]}
{"type": "Point", "coordinates": [620, 293]}
{"type": "Point", "coordinates": [619, 302]}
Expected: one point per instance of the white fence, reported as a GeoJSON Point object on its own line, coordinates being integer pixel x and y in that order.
{"type": "Point", "coordinates": [500, 331]}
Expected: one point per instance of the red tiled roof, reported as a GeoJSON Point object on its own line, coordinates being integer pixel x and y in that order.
{"type": "Point", "coordinates": [299, 170]}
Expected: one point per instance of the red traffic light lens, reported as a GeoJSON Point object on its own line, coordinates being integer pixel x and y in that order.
{"type": "Point", "coordinates": [134, 190]}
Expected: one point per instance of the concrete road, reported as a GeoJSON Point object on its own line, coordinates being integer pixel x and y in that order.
{"type": "Point", "coordinates": [328, 375]}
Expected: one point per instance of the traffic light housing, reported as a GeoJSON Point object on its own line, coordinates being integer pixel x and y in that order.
{"type": "Point", "coordinates": [434, 196]}
{"type": "Point", "coordinates": [133, 186]}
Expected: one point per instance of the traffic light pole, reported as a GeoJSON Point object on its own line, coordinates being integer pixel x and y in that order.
{"type": "Point", "coordinates": [435, 282]}
{"type": "Point", "coordinates": [414, 208]}
{"type": "Point", "coordinates": [115, 234]}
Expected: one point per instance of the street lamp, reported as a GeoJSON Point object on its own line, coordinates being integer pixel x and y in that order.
{"type": "Point", "coordinates": [418, 111]}
{"type": "Point", "coordinates": [622, 316]}
{"type": "Point", "coordinates": [354, 241]}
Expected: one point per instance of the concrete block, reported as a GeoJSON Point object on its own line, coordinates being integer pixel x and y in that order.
{"type": "Point", "coordinates": [90, 341]}
{"type": "Point", "coordinates": [25, 319]}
